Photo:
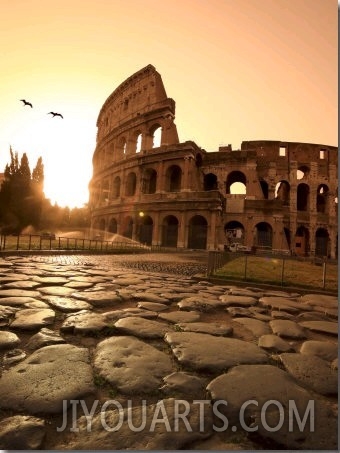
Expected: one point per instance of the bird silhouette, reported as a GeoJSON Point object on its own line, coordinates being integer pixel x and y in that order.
{"type": "Point", "coordinates": [55, 114]}
{"type": "Point", "coordinates": [26, 102]}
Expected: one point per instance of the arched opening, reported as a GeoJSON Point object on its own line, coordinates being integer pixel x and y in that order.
{"type": "Point", "coordinates": [130, 188]}
{"type": "Point", "coordinates": [156, 134]}
{"type": "Point", "coordinates": [302, 197]}
{"type": "Point", "coordinates": [302, 246]}
{"type": "Point", "coordinates": [210, 182]}
{"type": "Point", "coordinates": [116, 187]}
{"type": "Point", "coordinates": [322, 199]}
{"type": "Point", "coordinates": [127, 227]}
{"type": "Point", "coordinates": [169, 231]}
{"type": "Point", "coordinates": [265, 188]}
{"type": "Point", "coordinates": [145, 229]}
{"type": "Point", "coordinates": [139, 142]}
{"type": "Point", "coordinates": [234, 232]}
{"type": "Point", "coordinates": [122, 145]}
{"type": "Point", "coordinates": [102, 224]}
{"type": "Point", "coordinates": [236, 183]}
{"type": "Point", "coordinates": [302, 172]}
{"type": "Point", "coordinates": [282, 191]}
{"type": "Point", "coordinates": [264, 235]}
{"type": "Point", "coordinates": [198, 230]}
{"type": "Point", "coordinates": [322, 242]}
{"type": "Point", "coordinates": [105, 191]}
{"type": "Point", "coordinates": [149, 181]}
{"type": "Point", "coordinates": [113, 228]}
{"type": "Point", "coordinates": [173, 179]}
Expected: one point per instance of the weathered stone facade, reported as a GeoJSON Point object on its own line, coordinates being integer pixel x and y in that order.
{"type": "Point", "coordinates": [149, 187]}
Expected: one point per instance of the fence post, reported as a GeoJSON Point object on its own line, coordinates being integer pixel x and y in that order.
{"type": "Point", "coordinates": [282, 270]}
{"type": "Point", "coordinates": [245, 267]}
{"type": "Point", "coordinates": [324, 274]}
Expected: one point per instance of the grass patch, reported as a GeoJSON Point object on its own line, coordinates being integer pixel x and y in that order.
{"type": "Point", "coordinates": [282, 272]}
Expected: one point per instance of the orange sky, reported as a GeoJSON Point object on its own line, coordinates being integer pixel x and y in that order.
{"type": "Point", "coordinates": [237, 69]}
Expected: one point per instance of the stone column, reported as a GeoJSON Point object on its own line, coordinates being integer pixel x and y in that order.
{"type": "Point", "coordinates": [182, 239]}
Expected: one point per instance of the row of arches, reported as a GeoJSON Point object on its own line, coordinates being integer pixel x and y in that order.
{"type": "Point", "coordinates": [130, 144]}
{"type": "Point", "coordinates": [236, 183]}
{"type": "Point", "coordinates": [148, 184]}
{"type": "Point", "coordinates": [300, 244]}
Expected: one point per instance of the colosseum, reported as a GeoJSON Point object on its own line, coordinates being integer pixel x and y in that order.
{"type": "Point", "coordinates": [150, 187]}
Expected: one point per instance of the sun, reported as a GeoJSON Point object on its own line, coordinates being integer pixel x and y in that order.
{"type": "Point", "coordinates": [66, 146]}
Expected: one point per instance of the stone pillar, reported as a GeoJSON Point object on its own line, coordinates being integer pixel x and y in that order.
{"type": "Point", "coordinates": [186, 184]}
{"type": "Point", "coordinates": [211, 234]}
{"type": "Point", "coordinates": [156, 237]}
{"type": "Point", "coordinates": [182, 227]}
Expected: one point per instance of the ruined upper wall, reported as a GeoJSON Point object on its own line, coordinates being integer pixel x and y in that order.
{"type": "Point", "coordinates": [138, 105]}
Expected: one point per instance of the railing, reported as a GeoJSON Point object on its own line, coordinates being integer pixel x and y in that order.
{"type": "Point", "coordinates": [274, 268]}
{"type": "Point", "coordinates": [34, 242]}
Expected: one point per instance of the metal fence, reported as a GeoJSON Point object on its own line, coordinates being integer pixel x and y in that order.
{"type": "Point", "coordinates": [34, 242]}
{"type": "Point", "coordinates": [282, 270]}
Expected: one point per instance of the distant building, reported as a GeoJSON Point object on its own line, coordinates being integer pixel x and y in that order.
{"type": "Point", "coordinates": [148, 186]}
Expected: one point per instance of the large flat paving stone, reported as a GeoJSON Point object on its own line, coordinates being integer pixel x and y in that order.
{"type": "Point", "coordinates": [19, 293]}
{"type": "Point", "coordinates": [202, 304]}
{"type": "Point", "coordinates": [200, 351]}
{"type": "Point", "coordinates": [261, 399]}
{"type": "Point", "coordinates": [184, 384]}
{"type": "Point", "coordinates": [98, 298]}
{"type": "Point", "coordinates": [212, 328]}
{"type": "Point", "coordinates": [22, 432]}
{"type": "Point", "coordinates": [322, 300]}
{"type": "Point", "coordinates": [283, 303]}
{"type": "Point", "coordinates": [327, 327]}
{"type": "Point", "coordinates": [141, 327]}
{"type": "Point", "coordinates": [238, 301]}
{"type": "Point", "coordinates": [56, 290]}
{"type": "Point", "coordinates": [33, 318]}
{"type": "Point", "coordinates": [311, 372]}
{"type": "Point", "coordinates": [131, 365]}
{"type": "Point", "coordinates": [84, 321]}
{"type": "Point", "coordinates": [180, 316]}
{"type": "Point", "coordinates": [8, 340]}
{"type": "Point", "coordinates": [255, 326]}
{"type": "Point", "coordinates": [323, 349]}
{"type": "Point", "coordinates": [17, 301]}
{"type": "Point", "coordinates": [41, 382]}
{"type": "Point", "coordinates": [67, 304]}
{"type": "Point", "coordinates": [274, 343]}
{"type": "Point", "coordinates": [287, 328]}
{"type": "Point", "coordinates": [161, 428]}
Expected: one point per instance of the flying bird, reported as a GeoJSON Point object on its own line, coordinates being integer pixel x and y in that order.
{"type": "Point", "coordinates": [55, 114]}
{"type": "Point", "coordinates": [26, 102]}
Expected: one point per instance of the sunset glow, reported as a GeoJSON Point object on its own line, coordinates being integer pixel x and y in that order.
{"type": "Point", "coordinates": [237, 69]}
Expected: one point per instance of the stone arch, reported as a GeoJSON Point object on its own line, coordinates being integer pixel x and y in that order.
{"type": "Point", "coordinates": [138, 141]}
{"type": "Point", "coordinates": [264, 235]}
{"type": "Point", "coordinates": [113, 226]}
{"type": "Point", "coordinates": [238, 180]}
{"type": "Point", "coordinates": [145, 229]}
{"type": "Point", "coordinates": [302, 172]}
{"type": "Point", "coordinates": [116, 187]}
{"type": "Point", "coordinates": [302, 195]}
{"type": "Point", "coordinates": [265, 189]}
{"type": "Point", "coordinates": [234, 232]}
{"type": "Point", "coordinates": [131, 183]}
{"type": "Point", "coordinates": [322, 199]}
{"type": "Point", "coordinates": [105, 191]}
{"type": "Point", "coordinates": [170, 231]}
{"type": "Point", "coordinates": [127, 227]}
{"type": "Point", "coordinates": [173, 179]}
{"type": "Point", "coordinates": [121, 146]}
{"type": "Point", "coordinates": [322, 242]}
{"type": "Point", "coordinates": [282, 192]}
{"type": "Point", "coordinates": [210, 182]}
{"type": "Point", "coordinates": [302, 245]}
{"type": "Point", "coordinates": [156, 135]}
{"type": "Point", "coordinates": [149, 184]}
{"type": "Point", "coordinates": [102, 224]}
{"type": "Point", "coordinates": [198, 232]}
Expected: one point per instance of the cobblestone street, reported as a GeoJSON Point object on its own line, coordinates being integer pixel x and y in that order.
{"type": "Point", "coordinates": [116, 336]}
